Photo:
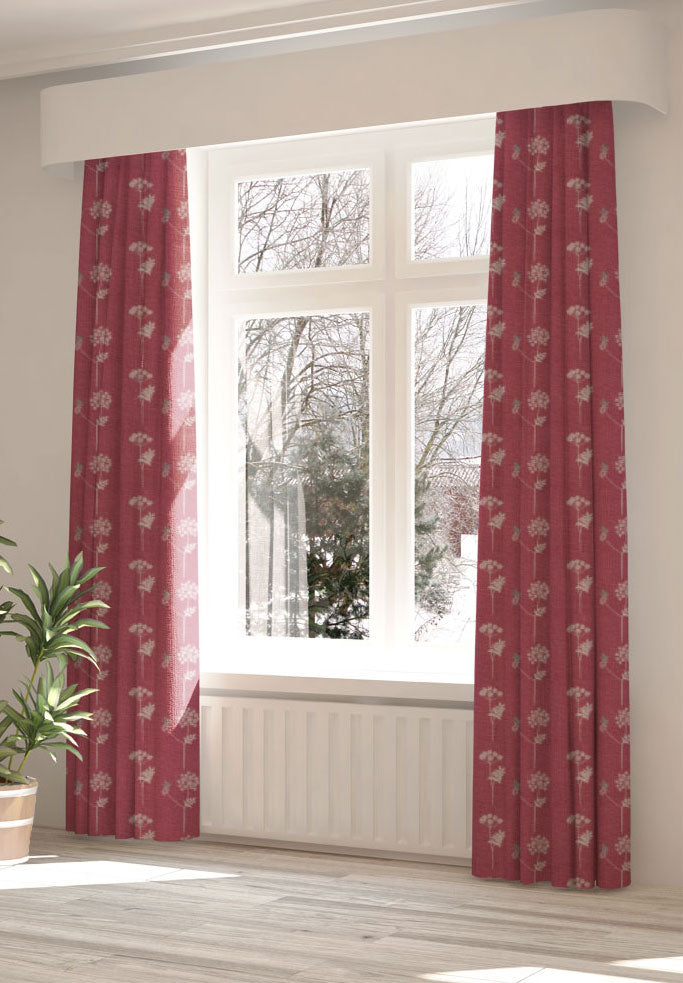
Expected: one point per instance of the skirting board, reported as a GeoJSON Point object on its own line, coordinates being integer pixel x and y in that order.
{"type": "Point", "coordinates": [336, 851]}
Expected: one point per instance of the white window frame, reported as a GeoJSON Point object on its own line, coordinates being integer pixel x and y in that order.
{"type": "Point", "coordinates": [389, 287]}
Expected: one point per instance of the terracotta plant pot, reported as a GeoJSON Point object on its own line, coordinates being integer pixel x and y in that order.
{"type": "Point", "coordinates": [17, 808]}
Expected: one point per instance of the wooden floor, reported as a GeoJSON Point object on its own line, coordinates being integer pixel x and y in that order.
{"type": "Point", "coordinates": [99, 911]}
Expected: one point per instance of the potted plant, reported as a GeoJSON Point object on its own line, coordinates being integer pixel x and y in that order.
{"type": "Point", "coordinates": [44, 713]}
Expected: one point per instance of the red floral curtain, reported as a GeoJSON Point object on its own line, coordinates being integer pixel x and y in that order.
{"type": "Point", "coordinates": [133, 501]}
{"type": "Point", "coordinates": [551, 769]}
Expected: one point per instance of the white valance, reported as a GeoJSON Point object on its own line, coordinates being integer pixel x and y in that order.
{"type": "Point", "coordinates": [614, 54]}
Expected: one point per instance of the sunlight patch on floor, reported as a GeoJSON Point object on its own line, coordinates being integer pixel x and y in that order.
{"type": "Point", "coordinates": [69, 873]}
{"type": "Point", "coordinates": [576, 976]}
{"type": "Point", "coordinates": [661, 964]}
{"type": "Point", "coordinates": [501, 974]}
{"type": "Point", "coordinates": [539, 974]}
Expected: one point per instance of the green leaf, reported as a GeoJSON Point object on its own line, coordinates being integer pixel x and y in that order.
{"type": "Point", "coordinates": [89, 623]}
{"type": "Point", "coordinates": [9, 747]}
{"type": "Point", "coordinates": [83, 716]}
{"type": "Point", "coordinates": [29, 624]}
{"type": "Point", "coordinates": [75, 611]}
{"type": "Point", "coordinates": [76, 568]}
{"type": "Point", "coordinates": [90, 574]}
{"type": "Point", "coordinates": [69, 730]}
{"type": "Point", "coordinates": [62, 661]}
{"type": "Point", "coordinates": [16, 719]}
{"type": "Point", "coordinates": [46, 680]}
{"type": "Point", "coordinates": [40, 585]}
{"type": "Point", "coordinates": [63, 599]}
{"type": "Point", "coordinates": [53, 694]}
{"type": "Point", "coordinates": [60, 580]}
{"type": "Point", "coordinates": [79, 644]}
{"type": "Point", "coordinates": [21, 700]}
{"type": "Point", "coordinates": [13, 776]}
{"type": "Point", "coordinates": [26, 601]}
{"type": "Point", "coordinates": [5, 723]}
{"type": "Point", "coordinates": [74, 700]}
{"type": "Point", "coordinates": [69, 691]}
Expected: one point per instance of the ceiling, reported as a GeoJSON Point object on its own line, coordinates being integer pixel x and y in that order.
{"type": "Point", "coordinates": [53, 36]}
{"type": "Point", "coordinates": [29, 23]}
{"type": "Point", "coordinates": [39, 36]}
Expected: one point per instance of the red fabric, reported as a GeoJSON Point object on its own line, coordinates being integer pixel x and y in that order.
{"type": "Point", "coordinates": [133, 501]}
{"type": "Point", "coordinates": [551, 769]}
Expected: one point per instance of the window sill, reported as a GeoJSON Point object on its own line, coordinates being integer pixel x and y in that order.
{"type": "Point", "coordinates": [418, 691]}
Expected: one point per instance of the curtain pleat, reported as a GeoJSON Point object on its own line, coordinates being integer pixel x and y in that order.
{"type": "Point", "coordinates": [551, 716]}
{"type": "Point", "coordinates": [133, 501]}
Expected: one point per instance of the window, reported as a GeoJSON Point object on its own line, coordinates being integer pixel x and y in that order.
{"type": "Point", "coordinates": [346, 326]}
{"type": "Point", "coordinates": [448, 371]}
{"type": "Point", "coordinates": [304, 399]}
{"type": "Point", "coordinates": [303, 221]}
{"type": "Point", "coordinates": [451, 207]}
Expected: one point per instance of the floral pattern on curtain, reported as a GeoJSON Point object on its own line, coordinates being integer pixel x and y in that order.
{"type": "Point", "coordinates": [551, 768]}
{"type": "Point", "coordinates": [133, 501]}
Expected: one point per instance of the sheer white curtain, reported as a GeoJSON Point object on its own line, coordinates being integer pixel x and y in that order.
{"type": "Point", "coordinates": [274, 584]}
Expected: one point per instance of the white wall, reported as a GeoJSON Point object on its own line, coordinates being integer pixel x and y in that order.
{"type": "Point", "coordinates": [39, 219]}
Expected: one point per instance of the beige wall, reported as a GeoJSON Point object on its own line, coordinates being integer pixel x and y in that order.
{"type": "Point", "coordinates": [39, 218]}
{"type": "Point", "coordinates": [649, 160]}
{"type": "Point", "coordinates": [39, 221]}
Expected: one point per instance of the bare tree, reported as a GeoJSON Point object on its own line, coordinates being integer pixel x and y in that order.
{"type": "Point", "coordinates": [449, 369]}
{"type": "Point", "coordinates": [451, 211]}
{"type": "Point", "coordinates": [309, 376]}
{"type": "Point", "coordinates": [303, 222]}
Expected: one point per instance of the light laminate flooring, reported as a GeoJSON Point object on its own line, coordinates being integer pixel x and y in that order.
{"type": "Point", "coordinates": [101, 911]}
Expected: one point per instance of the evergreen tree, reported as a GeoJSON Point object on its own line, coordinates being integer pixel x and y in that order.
{"type": "Point", "coordinates": [336, 493]}
{"type": "Point", "coordinates": [431, 593]}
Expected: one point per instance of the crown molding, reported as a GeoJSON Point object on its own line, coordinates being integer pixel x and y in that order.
{"type": "Point", "coordinates": [299, 20]}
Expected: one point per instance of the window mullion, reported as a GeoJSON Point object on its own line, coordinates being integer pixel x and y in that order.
{"type": "Point", "coordinates": [398, 409]}
{"type": "Point", "coordinates": [380, 454]}
{"type": "Point", "coordinates": [403, 546]}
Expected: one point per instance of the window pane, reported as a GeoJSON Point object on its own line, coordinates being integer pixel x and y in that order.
{"type": "Point", "coordinates": [304, 221]}
{"type": "Point", "coordinates": [305, 417]}
{"type": "Point", "coordinates": [449, 373]}
{"type": "Point", "coordinates": [452, 207]}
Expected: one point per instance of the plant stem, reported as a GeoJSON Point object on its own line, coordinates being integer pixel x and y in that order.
{"type": "Point", "coordinates": [23, 760]}
{"type": "Point", "coordinates": [28, 690]}
{"type": "Point", "coordinates": [33, 677]}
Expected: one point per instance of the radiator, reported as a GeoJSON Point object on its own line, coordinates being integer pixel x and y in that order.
{"type": "Point", "coordinates": [372, 777]}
